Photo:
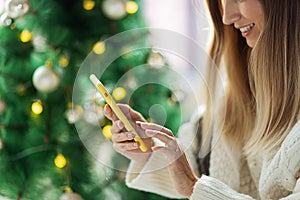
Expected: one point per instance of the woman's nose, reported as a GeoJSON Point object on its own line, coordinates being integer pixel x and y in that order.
{"type": "Point", "coordinates": [231, 12]}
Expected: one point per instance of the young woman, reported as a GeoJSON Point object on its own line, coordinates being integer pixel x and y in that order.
{"type": "Point", "coordinates": [255, 151]}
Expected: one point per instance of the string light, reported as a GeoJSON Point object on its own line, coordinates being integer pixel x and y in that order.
{"type": "Point", "coordinates": [106, 131]}
{"type": "Point", "coordinates": [88, 4]}
{"type": "Point", "coordinates": [63, 61]}
{"type": "Point", "coordinates": [25, 36]}
{"type": "Point", "coordinates": [21, 89]}
{"type": "Point", "coordinates": [131, 7]}
{"type": "Point", "coordinates": [37, 107]}
{"type": "Point", "coordinates": [99, 48]}
{"type": "Point", "coordinates": [150, 120]}
{"type": "Point", "coordinates": [60, 161]}
{"type": "Point", "coordinates": [119, 93]}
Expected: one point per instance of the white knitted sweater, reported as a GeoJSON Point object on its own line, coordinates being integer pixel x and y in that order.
{"type": "Point", "coordinates": [269, 176]}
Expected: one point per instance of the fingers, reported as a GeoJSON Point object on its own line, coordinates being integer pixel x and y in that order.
{"type": "Point", "coordinates": [109, 113]}
{"type": "Point", "coordinates": [125, 146]}
{"type": "Point", "coordinates": [167, 139]}
{"type": "Point", "coordinates": [122, 141]}
{"type": "Point", "coordinates": [126, 109]}
{"type": "Point", "coordinates": [130, 113]}
{"type": "Point", "coordinates": [122, 137]}
{"type": "Point", "coordinates": [117, 126]}
{"type": "Point", "coordinates": [163, 134]}
{"type": "Point", "coordinates": [153, 126]}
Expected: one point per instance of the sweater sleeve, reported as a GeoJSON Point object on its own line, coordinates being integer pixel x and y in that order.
{"type": "Point", "coordinates": [287, 157]}
{"type": "Point", "coordinates": [296, 192]}
{"type": "Point", "coordinates": [152, 177]}
{"type": "Point", "coordinates": [210, 188]}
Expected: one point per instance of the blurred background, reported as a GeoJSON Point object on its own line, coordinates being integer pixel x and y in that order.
{"type": "Point", "coordinates": [42, 47]}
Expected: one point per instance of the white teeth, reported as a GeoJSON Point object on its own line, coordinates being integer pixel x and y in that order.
{"type": "Point", "coordinates": [246, 28]}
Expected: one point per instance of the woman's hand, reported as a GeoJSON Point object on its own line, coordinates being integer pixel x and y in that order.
{"type": "Point", "coordinates": [122, 140]}
{"type": "Point", "coordinates": [180, 171]}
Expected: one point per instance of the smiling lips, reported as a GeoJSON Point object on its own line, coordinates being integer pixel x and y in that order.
{"type": "Point", "coordinates": [245, 30]}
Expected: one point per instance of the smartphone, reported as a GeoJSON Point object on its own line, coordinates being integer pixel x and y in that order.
{"type": "Point", "coordinates": [110, 101]}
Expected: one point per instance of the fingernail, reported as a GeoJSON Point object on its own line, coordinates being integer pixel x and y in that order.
{"type": "Point", "coordinates": [120, 124]}
{"type": "Point", "coordinates": [150, 132]}
{"type": "Point", "coordinates": [130, 136]}
{"type": "Point", "coordinates": [138, 123]}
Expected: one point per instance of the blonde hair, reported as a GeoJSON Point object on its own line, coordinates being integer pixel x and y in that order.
{"type": "Point", "coordinates": [262, 94]}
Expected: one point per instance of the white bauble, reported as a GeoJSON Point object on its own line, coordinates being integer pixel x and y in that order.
{"type": "Point", "coordinates": [5, 20]}
{"type": "Point", "coordinates": [39, 43]}
{"type": "Point", "coordinates": [93, 114]}
{"type": "Point", "coordinates": [70, 196]}
{"type": "Point", "coordinates": [74, 114]}
{"type": "Point", "coordinates": [114, 9]}
{"type": "Point", "coordinates": [2, 6]}
{"type": "Point", "coordinates": [156, 60]}
{"type": "Point", "coordinates": [45, 79]}
{"type": "Point", "coordinates": [16, 8]}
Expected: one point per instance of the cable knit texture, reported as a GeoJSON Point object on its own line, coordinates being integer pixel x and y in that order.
{"type": "Point", "coordinates": [273, 175]}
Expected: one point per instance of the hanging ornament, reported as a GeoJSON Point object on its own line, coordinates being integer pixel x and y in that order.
{"type": "Point", "coordinates": [5, 20]}
{"type": "Point", "coordinates": [45, 79]}
{"type": "Point", "coordinates": [99, 48]}
{"type": "Point", "coordinates": [114, 9]}
{"type": "Point", "coordinates": [156, 60]}
{"type": "Point", "coordinates": [16, 8]}
{"type": "Point", "coordinates": [37, 107]}
{"type": "Point", "coordinates": [74, 113]}
{"type": "Point", "coordinates": [119, 93]}
{"type": "Point", "coordinates": [63, 61]}
{"type": "Point", "coordinates": [25, 36]}
{"type": "Point", "coordinates": [21, 89]}
{"type": "Point", "coordinates": [39, 43]}
{"type": "Point", "coordinates": [70, 196]}
{"type": "Point", "coordinates": [107, 132]}
{"type": "Point", "coordinates": [131, 7]}
{"type": "Point", "coordinates": [131, 82]}
{"type": "Point", "coordinates": [2, 106]}
{"type": "Point", "coordinates": [93, 114]}
{"type": "Point", "coordinates": [2, 6]}
{"type": "Point", "coordinates": [150, 120]}
{"type": "Point", "coordinates": [88, 4]}
{"type": "Point", "coordinates": [60, 161]}
{"type": "Point", "coordinates": [178, 95]}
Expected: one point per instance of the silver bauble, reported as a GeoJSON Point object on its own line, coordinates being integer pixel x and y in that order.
{"type": "Point", "coordinates": [45, 79]}
{"type": "Point", "coordinates": [114, 9]}
{"type": "Point", "coordinates": [70, 196]}
{"type": "Point", "coordinates": [5, 20]}
{"type": "Point", "coordinates": [2, 6]}
{"type": "Point", "coordinates": [156, 60]}
{"type": "Point", "coordinates": [16, 8]}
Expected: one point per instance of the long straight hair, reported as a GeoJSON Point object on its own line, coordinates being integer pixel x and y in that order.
{"type": "Point", "coordinates": [262, 94]}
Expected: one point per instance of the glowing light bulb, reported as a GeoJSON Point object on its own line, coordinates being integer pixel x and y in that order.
{"type": "Point", "coordinates": [99, 48]}
{"type": "Point", "coordinates": [21, 90]}
{"type": "Point", "coordinates": [88, 4]}
{"type": "Point", "coordinates": [37, 107]}
{"type": "Point", "coordinates": [131, 7]}
{"type": "Point", "coordinates": [150, 120]}
{"type": "Point", "coordinates": [60, 161]}
{"type": "Point", "coordinates": [63, 61]}
{"type": "Point", "coordinates": [25, 36]}
{"type": "Point", "coordinates": [119, 93]}
{"type": "Point", "coordinates": [106, 131]}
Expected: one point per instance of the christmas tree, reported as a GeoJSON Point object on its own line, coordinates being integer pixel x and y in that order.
{"type": "Point", "coordinates": [43, 46]}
